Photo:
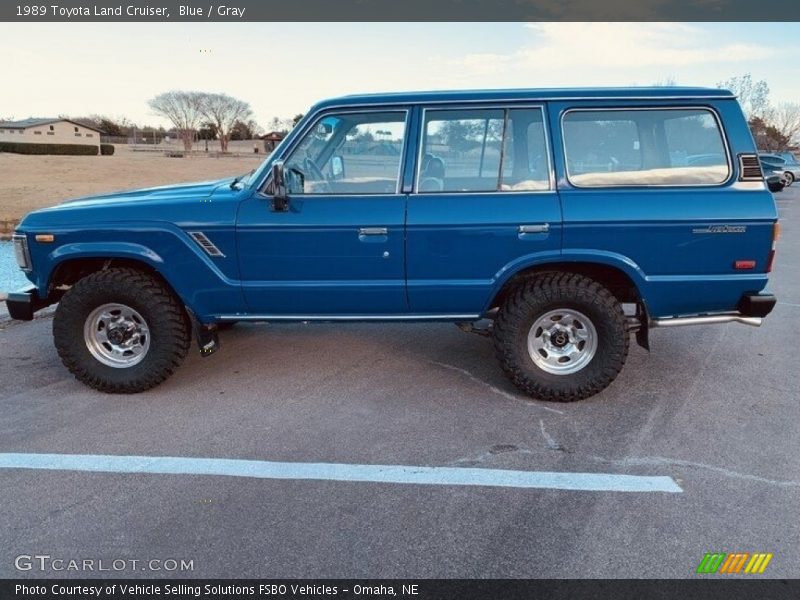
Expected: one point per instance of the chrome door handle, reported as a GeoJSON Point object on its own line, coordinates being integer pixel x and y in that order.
{"type": "Point", "coordinates": [373, 231]}
{"type": "Point", "coordinates": [543, 228]}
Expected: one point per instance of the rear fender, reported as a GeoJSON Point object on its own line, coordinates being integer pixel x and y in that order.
{"type": "Point", "coordinates": [586, 257]}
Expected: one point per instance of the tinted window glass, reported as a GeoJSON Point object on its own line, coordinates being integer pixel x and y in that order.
{"type": "Point", "coordinates": [350, 153]}
{"type": "Point", "coordinates": [465, 151]}
{"type": "Point", "coordinates": [644, 147]}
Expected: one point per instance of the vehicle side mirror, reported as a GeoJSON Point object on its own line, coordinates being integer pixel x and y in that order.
{"type": "Point", "coordinates": [280, 198]}
{"type": "Point", "coordinates": [337, 167]}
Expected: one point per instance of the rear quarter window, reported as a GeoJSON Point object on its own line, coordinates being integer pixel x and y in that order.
{"type": "Point", "coordinates": [644, 147]}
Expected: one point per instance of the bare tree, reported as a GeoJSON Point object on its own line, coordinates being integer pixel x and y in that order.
{"type": "Point", "coordinates": [183, 109]}
{"type": "Point", "coordinates": [753, 95]}
{"type": "Point", "coordinates": [280, 125]}
{"type": "Point", "coordinates": [786, 119]}
{"type": "Point", "coordinates": [223, 112]}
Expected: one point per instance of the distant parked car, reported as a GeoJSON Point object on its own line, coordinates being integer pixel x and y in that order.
{"type": "Point", "coordinates": [774, 176]}
{"type": "Point", "coordinates": [789, 157]}
{"type": "Point", "coordinates": [791, 172]}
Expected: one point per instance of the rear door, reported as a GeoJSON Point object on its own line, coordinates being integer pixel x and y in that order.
{"type": "Point", "coordinates": [483, 201]}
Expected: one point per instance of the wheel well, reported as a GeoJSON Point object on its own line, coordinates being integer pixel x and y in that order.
{"type": "Point", "coordinates": [616, 280]}
{"type": "Point", "coordinates": [72, 270]}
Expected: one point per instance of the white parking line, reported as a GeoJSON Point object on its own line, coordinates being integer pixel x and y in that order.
{"type": "Point", "coordinates": [170, 465]}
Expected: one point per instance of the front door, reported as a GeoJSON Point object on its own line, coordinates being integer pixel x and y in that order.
{"type": "Point", "coordinates": [484, 204]}
{"type": "Point", "coordinates": [339, 248]}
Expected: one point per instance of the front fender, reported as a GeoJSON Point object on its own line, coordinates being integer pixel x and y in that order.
{"type": "Point", "coordinates": [206, 285]}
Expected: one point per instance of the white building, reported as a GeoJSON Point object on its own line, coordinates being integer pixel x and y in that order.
{"type": "Point", "coordinates": [49, 131]}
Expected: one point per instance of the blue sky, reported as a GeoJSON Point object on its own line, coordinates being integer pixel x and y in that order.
{"type": "Point", "coordinates": [283, 68]}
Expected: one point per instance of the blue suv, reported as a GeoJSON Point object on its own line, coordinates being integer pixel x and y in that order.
{"type": "Point", "coordinates": [529, 215]}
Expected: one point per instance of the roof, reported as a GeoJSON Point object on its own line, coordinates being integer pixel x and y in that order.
{"type": "Point", "coordinates": [273, 135]}
{"type": "Point", "coordinates": [529, 94]}
{"type": "Point", "coordinates": [38, 122]}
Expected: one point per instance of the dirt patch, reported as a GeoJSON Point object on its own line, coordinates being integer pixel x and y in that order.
{"type": "Point", "coordinates": [31, 182]}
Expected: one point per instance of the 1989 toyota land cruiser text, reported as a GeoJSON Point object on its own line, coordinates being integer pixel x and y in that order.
{"type": "Point", "coordinates": [537, 212]}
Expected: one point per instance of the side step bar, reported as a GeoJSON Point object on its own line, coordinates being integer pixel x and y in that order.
{"type": "Point", "coordinates": [707, 320]}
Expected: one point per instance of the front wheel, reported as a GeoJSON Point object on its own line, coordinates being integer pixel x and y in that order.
{"type": "Point", "coordinates": [788, 178]}
{"type": "Point", "coordinates": [561, 337]}
{"type": "Point", "coordinates": [121, 331]}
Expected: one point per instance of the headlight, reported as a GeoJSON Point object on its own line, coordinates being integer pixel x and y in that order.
{"type": "Point", "coordinates": [21, 251]}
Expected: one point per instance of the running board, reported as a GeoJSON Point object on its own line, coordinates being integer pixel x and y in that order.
{"type": "Point", "coordinates": [706, 320]}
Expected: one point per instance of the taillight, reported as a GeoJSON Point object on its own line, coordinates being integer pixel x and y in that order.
{"type": "Point", "coordinates": [776, 234]}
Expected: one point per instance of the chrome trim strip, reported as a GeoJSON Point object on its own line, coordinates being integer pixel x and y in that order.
{"type": "Point", "coordinates": [710, 109]}
{"type": "Point", "coordinates": [707, 320]}
{"type": "Point", "coordinates": [490, 105]}
{"type": "Point", "coordinates": [426, 317]}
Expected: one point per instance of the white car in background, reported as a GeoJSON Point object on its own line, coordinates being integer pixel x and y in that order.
{"type": "Point", "coordinates": [791, 171]}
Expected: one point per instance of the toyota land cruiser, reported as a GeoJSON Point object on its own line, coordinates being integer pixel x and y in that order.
{"type": "Point", "coordinates": [539, 212]}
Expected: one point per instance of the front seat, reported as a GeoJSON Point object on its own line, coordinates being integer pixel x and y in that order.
{"type": "Point", "coordinates": [432, 175]}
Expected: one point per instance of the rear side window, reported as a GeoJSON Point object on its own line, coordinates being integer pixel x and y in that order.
{"type": "Point", "coordinates": [632, 147]}
{"type": "Point", "coordinates": [483, 150]}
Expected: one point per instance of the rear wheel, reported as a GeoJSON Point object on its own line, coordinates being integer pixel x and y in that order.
{"type": "Point", "coordinates": [561, 337]}
{"type": "Point", "coordinates": [789, 178]}
{"type": "Point", "coordinates": [121, 331]}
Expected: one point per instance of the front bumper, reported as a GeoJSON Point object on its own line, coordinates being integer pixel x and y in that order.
{"type": "Point", "coordinates": [24, 303]}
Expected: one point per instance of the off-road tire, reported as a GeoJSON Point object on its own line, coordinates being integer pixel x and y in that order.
{"type": "Point", "coordinates": [534, 297]}
{"type": "Point", "coordinates": [168, 322]}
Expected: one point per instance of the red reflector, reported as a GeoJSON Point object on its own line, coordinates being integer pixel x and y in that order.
{"type": "Point", "coordinates": [744, 264]}
{"type": "Point", "coordinates": [770, 261]}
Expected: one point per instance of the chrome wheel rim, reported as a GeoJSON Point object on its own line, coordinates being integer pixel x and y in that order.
{"type": "Point", "coordinates": [116, 335]}
{"type": "Point", "coordinates": [562, 341]}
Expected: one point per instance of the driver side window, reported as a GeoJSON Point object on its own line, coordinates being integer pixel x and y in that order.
{"type": "Point", "coordinates": [349, 154]}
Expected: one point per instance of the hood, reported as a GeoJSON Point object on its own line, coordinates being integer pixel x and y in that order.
{"type": "Point", "coordinates": [173, 203]}
{"type": "Point", "coordinates": [200, 189]}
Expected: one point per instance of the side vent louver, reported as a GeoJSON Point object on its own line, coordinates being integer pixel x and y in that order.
{"type": "Point", "coordinates": [750, 168]}
{"type": "Point", "coordinates": [205, 243]}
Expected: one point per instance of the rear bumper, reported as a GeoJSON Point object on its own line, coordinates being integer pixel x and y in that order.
{"type": "Point", "coordinates": [756, 305]}
{"type": "Point", "coordinates": [24, 303]}
{"type": "Point", "coordinates": [751, 310]}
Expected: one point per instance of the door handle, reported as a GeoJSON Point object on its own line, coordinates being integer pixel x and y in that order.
{"type": "Point", "coordinates": [542, 228]}
{"type": "Point", "coordinates": [373, 231]}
